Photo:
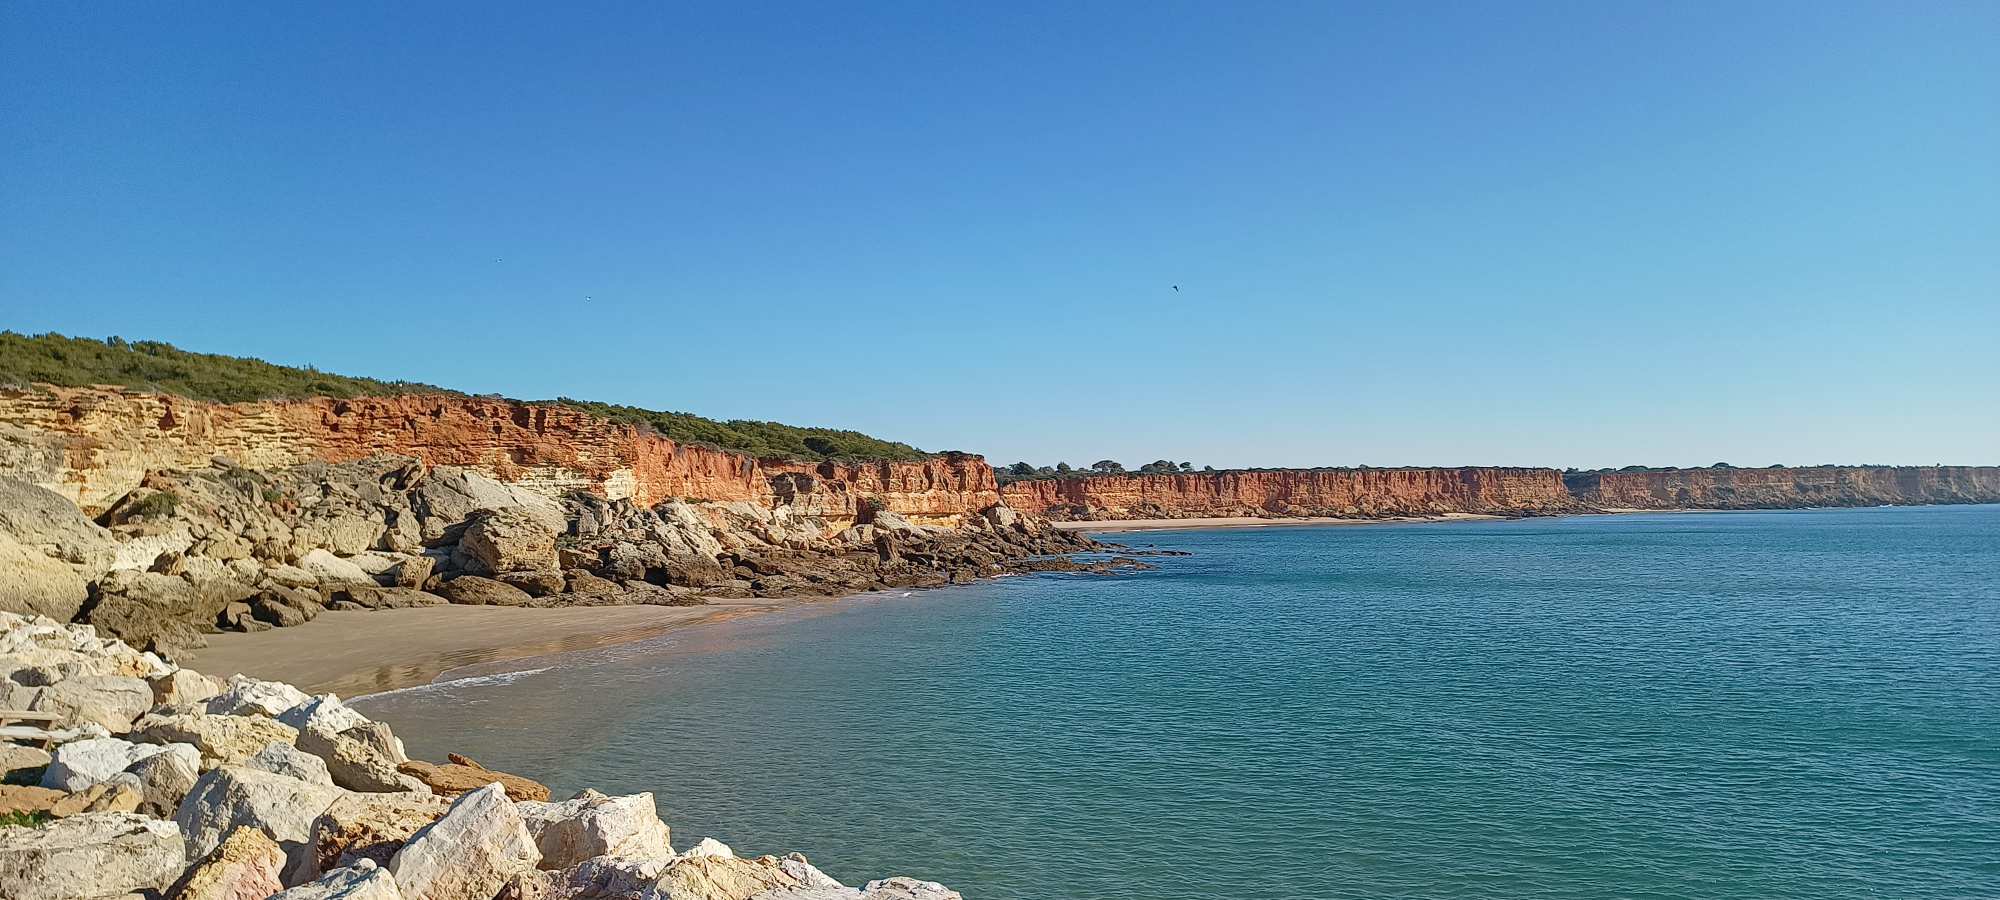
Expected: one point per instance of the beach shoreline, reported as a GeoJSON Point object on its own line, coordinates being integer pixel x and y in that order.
{"type": "Point", "coordinates": [1113, 526]}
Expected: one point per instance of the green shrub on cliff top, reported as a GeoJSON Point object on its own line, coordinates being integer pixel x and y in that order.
{"type": "Point", "coordinates": [156, 366]}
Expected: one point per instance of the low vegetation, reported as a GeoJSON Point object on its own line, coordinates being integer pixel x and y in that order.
{"type": "Point", "coordinates": [164, 368]}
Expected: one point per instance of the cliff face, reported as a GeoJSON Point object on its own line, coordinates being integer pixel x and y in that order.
{"type": "Point", "coordinates": [1787, 488]}
{"type": "Point", "coordinates": [93, 445]}
{"type": "Point", "coordinates": [1296, 492]}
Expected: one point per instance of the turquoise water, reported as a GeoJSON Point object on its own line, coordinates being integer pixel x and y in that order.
{"type": "Point", "coordinates": [1770, 705]}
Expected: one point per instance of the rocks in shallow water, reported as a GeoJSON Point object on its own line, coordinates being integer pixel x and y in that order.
{"type": "Point", "coordinates": [463, 774]}
{"type": "Point", "coordinates": [231, 797]}
{"type": "Point", "coordinates": [77, 765]}
{"type": "Point", "coordinates": [362, 881]}
{"type": "Point", "coordinates": [221, 739]}
{"type": "Point", "coordinates": [369, 827]}
{"type": "Point", "coordinates": [723, 878]}
{"type": "Point", "coordinates": [593, 824]}
{"type": "Point", "coordinates": [246, 865]}
{"type": "Point", "coordinates": [90, 856]}
{"type": "Point", "coordinates": [468, 854]}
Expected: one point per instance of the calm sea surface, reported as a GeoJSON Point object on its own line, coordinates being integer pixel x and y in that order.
{"type": "Point", "coordinates": [1770, 705]}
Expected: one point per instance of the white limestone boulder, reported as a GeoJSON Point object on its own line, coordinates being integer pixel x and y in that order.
{"type": "Point", "coordinates": [467, 855]}
{"type": "Point", "coordinates": [593, 824]}
{"type": "Point", "coordinates": [362, 881]}
{"type": "Point", "coordinates": [166, 777]}
{"type": "Point", "coordinates": [224, 740]}
{"type": "Point", "coordinates": [280, 758]}
{"type": "Point", "coordinates": [231, 797]}
{"type": "Point", "coordinates": [92, 855]}
{"type": "Point", "coordinates": [112, 701]}
{"type": "Point", "coordinates": [77, 765]}
{"type": "Point", "coordinates": [244, 696]}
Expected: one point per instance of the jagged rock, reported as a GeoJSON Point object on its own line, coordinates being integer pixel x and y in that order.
{"type": "Point", "coordinates": [89, 856]}
{"type": "Point", "coordinates": [112, 701]}
{"type": "Point", "coordinates": [463, 774]}
{"type": "Point", "coordinates": [473, 590]}
{"type": "Point", "coordinates": [362, 881]}
{"type": "Point", "coordinates": [377, 597]}
{"type": "Point", "coordinates": [280, 758]}
{"type": "Point", "coordinates": [469, 853]}
{"type": "Point", "coordinates": [232, 796]}
{"type": "Point", "coordinates": [156, 612]}
{"type": "Point", "coordinates": [357, 759]}
{"type": "Point", "coordinates": [283, 606]}
{"type": "Point", "coordinates": [20, 765]}
{"type": "Point", "coordinates": [592, 824]}
{"type": "Point", "coordinates": [44, 520]}
{"type": "Point", "coordinates": [582, 582]}
{"type": "Point", "coordinates": [369, 827]}
{"type": "Point", "coordinates": [69, 651]}
{"type": "Point", "coordinates": [905, 888]}
{"type": "Point", "coordinates": [247, 865]}
{"type": "Point", "coordinates": [450, 495]}
{"type": "Point", "coordinates": [326, 566]}
{"type": "Point", "coordinates": [324, 712]}
{"type": "Point", "coordinates": [809, 875]}
{"type": "Point", "coordinates": [79, 764]}
{"type": "Point", "coordinates": [722, 878]}
{"type": "Point", "coordinates": [506, 540]}
{"type": "Point", "coordinates": [244, 696]}
{"type": "Point", "coordinates": [183, 686]}
{"type": "Point", "coordinates": [221, 739]}
{"type": "Point", "coordinates": [165, 778]}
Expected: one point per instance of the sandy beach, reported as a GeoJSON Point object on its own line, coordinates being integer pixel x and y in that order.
{"type": "Point", "coordinates": [1112, 525]}
{"type": "Point", "coordinates": [355, 653]}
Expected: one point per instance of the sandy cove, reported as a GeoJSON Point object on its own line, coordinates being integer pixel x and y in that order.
{"type": "Point", "coordinates": [357, 653]}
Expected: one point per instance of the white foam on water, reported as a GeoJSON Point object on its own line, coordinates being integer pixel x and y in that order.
{"type": "Point", "coordinates": [468, 681]}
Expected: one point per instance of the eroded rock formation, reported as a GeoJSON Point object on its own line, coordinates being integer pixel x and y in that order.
{"type": "Point", "coordinates": [1359, 493]}
{"type": "Point", "coordinates": [1787, 488]}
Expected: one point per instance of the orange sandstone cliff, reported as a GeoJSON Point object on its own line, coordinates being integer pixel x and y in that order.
{"type": "Point", "coordinates": [95, 444]}
{"type": "Point", "coordinates": [1784, 488]}
{"type": "Point", "coordinates": [1296, 492]}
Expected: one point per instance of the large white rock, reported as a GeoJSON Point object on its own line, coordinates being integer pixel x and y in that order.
{"type": "Point", "coordinates": [232, 796]}
{"type": "Point", "coordinates": [361, 881]}
{"type": "Point", "coordinates": [468, 854]}
{"type": "Point", "coordinates": [324, 712]}
{"type": "Point", "coordinates": [79, 764]}
{"type": "Point", "coordinates": [592, 824]}
{"type": "Point", "coordinates": [361, 759]}
{"type": "Point", "coordinates": [709, 846]}
{"type": "Point", "coordinates": [102, 854]}
{"type": "Point", "coordinates": [245, 696]}
{"type": "Point", "coordinates": [280, 758]}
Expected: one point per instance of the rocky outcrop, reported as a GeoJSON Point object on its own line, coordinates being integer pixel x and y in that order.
{"type": "Point", "coordinates": [1786, 488]}
{"type": "Point", "coordinates": [96, 445]}
{"type": "Point", "coordinates": [275, 827]}
{"type": "Point", "coordinates": [1347, 493]}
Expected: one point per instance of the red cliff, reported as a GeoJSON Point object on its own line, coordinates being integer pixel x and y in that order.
{"type": "Point", "coordinates": [1781, 488]}
{"type": "Point", "coordinates": [1296, 492]}
{"type": "Point", "coordinates": [94, 444]}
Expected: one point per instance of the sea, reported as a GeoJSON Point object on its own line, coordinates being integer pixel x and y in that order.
{"type": "Point", "coordinates": [1786, 704]}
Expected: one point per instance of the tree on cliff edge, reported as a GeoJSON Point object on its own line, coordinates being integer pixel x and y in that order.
{"type": "Point", "coordinates": [1107, 466]}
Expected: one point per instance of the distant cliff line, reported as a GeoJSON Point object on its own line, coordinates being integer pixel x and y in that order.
{"type": "Point", "coordinates": [1385, 492]}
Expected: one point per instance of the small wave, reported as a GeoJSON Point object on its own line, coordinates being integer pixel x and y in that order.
{"type": "Point", "coordinates": [468, 681]}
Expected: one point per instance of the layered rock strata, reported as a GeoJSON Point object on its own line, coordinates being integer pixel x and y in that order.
{"type": "Point", "coordinates": [94, 445]}
{"type": "Point", "coordinates": [1354, 493]}
{"type": "Point", "coordinates": [1786, 488]}
{"type": "Point", "coordinates": [141, 811]}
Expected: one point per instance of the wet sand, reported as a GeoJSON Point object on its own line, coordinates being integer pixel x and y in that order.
{"type": "Point", "coordinates": [353, 653]}
{"type": "Point", "coordinates": [1112, 525]}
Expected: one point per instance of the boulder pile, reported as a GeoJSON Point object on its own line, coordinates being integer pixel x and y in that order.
{"type": "Point", "coordinates": [240, 789]}
{"type": "Point", "coordinates": [191, 552]}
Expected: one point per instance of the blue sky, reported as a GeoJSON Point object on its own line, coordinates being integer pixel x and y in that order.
{"type": "Point", "coordinates": [1569, 234]}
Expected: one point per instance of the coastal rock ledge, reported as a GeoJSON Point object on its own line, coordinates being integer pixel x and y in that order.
{"type": "Point", "coordinates": [175, 803]}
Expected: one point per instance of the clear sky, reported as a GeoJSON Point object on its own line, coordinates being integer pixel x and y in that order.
{"type": "Point", "coordinates": [1568, 234]}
